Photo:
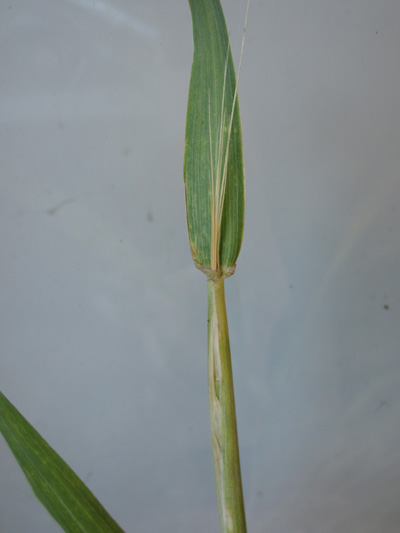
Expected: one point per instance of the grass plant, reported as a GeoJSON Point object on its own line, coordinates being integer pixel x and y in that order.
{"type": "Point", "coordinates": [214, 185]}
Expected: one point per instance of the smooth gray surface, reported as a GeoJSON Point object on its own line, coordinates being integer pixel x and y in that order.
{"type": "Point", "coordinates": [103, 315]}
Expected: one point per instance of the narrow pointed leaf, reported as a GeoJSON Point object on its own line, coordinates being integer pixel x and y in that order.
{"type": "Point", "coordinates": [58, 488]}
{"type": "Point", "coordinates": [213, 164]}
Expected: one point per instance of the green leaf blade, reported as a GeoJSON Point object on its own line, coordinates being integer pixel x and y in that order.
{"type": "Point", "coordinates": [58, 488]}
{"type": "Point", "coordinates": [213, 145]}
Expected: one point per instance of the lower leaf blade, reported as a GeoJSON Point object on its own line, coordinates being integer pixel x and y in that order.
{"type": "Point", "coordinates": [55, 484]}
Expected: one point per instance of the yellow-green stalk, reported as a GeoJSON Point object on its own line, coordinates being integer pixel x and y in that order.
{"type": "Point", "coordinates": [224, 438]}
{"type": "Point", "coordinates": [214, 186]}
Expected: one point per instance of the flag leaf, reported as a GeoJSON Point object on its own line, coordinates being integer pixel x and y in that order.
{"type": "Point", "coordinates": [213, 163]}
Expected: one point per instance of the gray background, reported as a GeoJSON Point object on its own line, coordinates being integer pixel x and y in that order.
{"type": "Point", "coordinates": [103, 315]}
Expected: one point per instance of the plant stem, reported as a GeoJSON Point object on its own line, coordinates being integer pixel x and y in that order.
{"type": "Point", "coordinates": [222, 414]}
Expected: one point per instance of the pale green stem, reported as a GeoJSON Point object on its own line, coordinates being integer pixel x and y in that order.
{"type": "Point", "coordinates": [222, 414]}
